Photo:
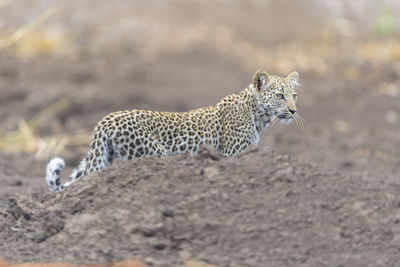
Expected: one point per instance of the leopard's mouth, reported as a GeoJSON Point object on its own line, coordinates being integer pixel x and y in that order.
{"type": "Point", "coordinates": [285, 118]}
{"type": "Point", "coordinates": [282, 116]}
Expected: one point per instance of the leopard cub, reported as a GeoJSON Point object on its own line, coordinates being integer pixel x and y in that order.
{"type": "Point", "coordinates": [230, 126]}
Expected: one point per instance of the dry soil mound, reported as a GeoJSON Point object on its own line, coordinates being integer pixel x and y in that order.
{"type": "Point", "coordinates": [260, 209]}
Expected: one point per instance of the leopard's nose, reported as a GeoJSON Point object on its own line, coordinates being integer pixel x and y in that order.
{"type": "Point", "coordinates": [292, 111]}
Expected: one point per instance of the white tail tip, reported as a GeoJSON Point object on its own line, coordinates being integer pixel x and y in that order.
{"type": "Point", "coordinates": [53, 170]}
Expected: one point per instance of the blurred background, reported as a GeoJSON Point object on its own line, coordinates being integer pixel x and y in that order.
{"type": "Point", "coordinates": [66, 64]}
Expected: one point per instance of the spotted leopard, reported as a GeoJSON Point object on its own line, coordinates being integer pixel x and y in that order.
{"type": "Point", "coordinates": [231, 127]}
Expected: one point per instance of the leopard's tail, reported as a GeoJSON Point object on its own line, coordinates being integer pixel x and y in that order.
{"type": "Point", "coordinates": [53, 170]}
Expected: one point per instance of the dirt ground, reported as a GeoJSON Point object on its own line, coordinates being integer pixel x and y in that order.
{"type": "Point", "coordinates": [325, 195]}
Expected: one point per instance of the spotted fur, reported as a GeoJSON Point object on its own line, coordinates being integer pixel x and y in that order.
{"type": "Point", "coordinates": [230, 126]}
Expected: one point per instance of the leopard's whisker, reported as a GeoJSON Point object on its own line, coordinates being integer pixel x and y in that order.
{"type": "Point", "coordinates": [300, 120]}
{"type": "Point", "coordinates": [274, 122]}
{"type": "Point", "coordinates": [295, 119]}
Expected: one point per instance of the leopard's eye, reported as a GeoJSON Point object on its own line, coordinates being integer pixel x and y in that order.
{"type": "Point", "coordinates": [295, 96]}
{"type": "Point", "coordinates": [280, 96]}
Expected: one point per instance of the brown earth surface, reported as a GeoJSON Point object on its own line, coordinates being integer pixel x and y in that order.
{"type": "Point", "coordinates": [327, 195]}
{"type": "Point", "coordinates": [124, 263]}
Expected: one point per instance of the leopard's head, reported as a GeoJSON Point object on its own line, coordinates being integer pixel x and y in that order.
{"type": "Point", "coordinates": [277, 96]}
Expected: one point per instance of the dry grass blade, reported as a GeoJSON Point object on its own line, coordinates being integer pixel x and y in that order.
{"type": "Point", "coordinates": [25, 138]}
{"type": "Point", "coordinates": [21, 32]}
{"type": "Point", "coordinates": [49, 111]}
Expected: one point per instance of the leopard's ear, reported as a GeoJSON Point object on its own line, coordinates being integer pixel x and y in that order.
{"type": "Point", "coordinates": [293, 77]}
{"type": "Point", "coordinates": [261, 79]}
